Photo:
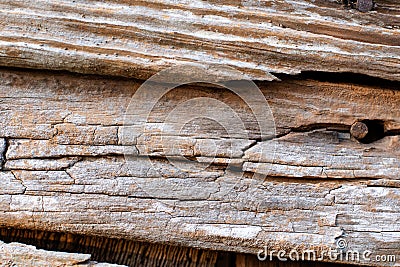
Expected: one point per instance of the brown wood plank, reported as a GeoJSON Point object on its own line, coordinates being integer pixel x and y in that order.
{"type": "Point", "coordinates": [65, 170]}
{"type": "Point", "coordinates": [139, 38]}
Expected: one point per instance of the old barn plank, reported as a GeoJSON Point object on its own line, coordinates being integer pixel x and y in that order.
{"type": "Point", "coordinates": [200, 171]}
{"type": "Point", "coordinates": [65, 170]}
{"type": "Point", "coordinates": [139, 38]}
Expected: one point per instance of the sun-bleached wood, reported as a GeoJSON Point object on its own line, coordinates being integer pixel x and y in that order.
{"type": "Point", "coordinates": [16, 254]}
{"type": "Point", "coordinates": [65, 169]}
{"type": "Point", "coordinates": [139, 38]}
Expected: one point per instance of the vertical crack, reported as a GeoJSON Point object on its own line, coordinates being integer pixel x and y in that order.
{"type": "Point", "coordinates": [4, 144]}
{"type": "Point", "coordinates": [20, 180]}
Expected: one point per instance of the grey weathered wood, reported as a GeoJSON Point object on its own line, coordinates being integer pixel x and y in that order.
{"type": "Point", "coordinates": [65, 169]}
{"type": "Point", "coordinates": [16, 254]}
{"type": "Point", "coordinates": [139, 38]}
{"type": "Point", "coordinates": [326, 154]}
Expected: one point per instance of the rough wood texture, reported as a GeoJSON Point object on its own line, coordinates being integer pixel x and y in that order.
{"type": "Point", "coordinates": [64, 170]}
{"type": "Point", "coordinates": [15, 254]}
{"type": "Point", "coordinates": [138, 38]}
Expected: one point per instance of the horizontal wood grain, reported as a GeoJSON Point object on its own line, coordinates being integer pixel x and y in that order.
{"type": "Point", "coordinates": [67, 168]}
{"type": "Point", "coordinates": [139, 38]}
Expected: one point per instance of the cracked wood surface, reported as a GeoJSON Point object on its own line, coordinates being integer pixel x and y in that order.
{"type": "Point", "coordinates": [139, 38]}
{"type": "Point", "coordinates": [65, 169]}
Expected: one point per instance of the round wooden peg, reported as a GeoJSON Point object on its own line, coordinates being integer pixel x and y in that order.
{"type": "Point", "coordinates": [359, 130]}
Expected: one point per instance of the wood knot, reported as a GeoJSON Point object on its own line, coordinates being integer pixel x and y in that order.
{"type": "Point", "coordinates": [359, 130]}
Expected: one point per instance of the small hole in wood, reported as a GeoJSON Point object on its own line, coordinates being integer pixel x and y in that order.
{"type": "Point", "coordinates": [368, 131]}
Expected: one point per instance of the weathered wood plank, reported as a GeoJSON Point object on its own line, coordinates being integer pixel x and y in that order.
{"type": "Point", "coordinates": [15, 254]}
{"type": "Point", "coordinates": [65, 170]}
{"type": "Point", "coordinates": [139, 38]}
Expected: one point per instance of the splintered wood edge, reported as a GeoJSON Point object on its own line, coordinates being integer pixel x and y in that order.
{"type": "Point", "coordinates": [137, 39]}
{"type": "Point", "coordinates": [17, 254]}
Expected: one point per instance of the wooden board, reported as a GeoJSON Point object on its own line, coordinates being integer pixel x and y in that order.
{"type": "Point", "coordinates": [16, 254]}
{"type": "Point", "coordinates": [94, 155]}
{"type": "Point", "coordinates": [68, 169]}
{"type": "Point", "coordinates": [139, 38]}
